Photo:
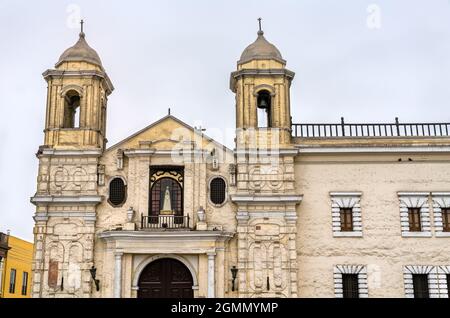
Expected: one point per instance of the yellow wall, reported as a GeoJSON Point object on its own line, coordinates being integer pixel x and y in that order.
{"type": "Point", "coordinates": [19, 258]}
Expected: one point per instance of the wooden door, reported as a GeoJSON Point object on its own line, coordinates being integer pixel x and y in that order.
{"type": "Point", "coordinates": [165, 278]}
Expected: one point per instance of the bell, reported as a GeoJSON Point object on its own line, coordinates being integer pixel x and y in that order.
{"type": "Point", "coordinates": [262, 103]}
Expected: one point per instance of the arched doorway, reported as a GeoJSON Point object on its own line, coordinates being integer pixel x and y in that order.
{"type": "Point", "coordinates": [165, 278]}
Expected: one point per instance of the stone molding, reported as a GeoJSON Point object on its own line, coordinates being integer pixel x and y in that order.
{"type": "Point", "coordinates": [227, 189]}
{"type": "Point", "coordinates": [155, 152]}
{"type": "Point", "coordinates": [268, 152]}
{"type": "Point", "coordinates": [360, 270]}
{"type": "Point", "coordinates": [429, 270]}
{"type": "Point", "coordinates": [414, 200]}
{"type": "Point", "coordinates": [259, 72]}
{"type": "Point", "coordinates": [350, 200]}
{"type": "Point", "coordinates": [271, 89]}
{"type": "Point", "coordinates": [373, 149]}
{"type": "Point", "coordinates": [79, 73]}
{"type": "Point", "coordinates": [143, 264]}
{"type": "Point", "coordinates": [44, 216]}
{"type": "Point", "coordinates": [444, 288]}
{"type": "Point", "coordinates": [218, 236]}
{"type": "Point", "coordinates": [78, 199]}
{"type": "Point", "coordinates": [71, 153]}
{"type": "Point", "coordinates": [261, 199]}
{"type": "Point", "coordinates": [440, 200]}
{"type": "Point", "coordinates": [70, 87]}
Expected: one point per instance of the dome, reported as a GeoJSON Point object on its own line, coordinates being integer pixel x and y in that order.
{"type": "Point", "coordinates": [261, 49]}
{"type": "Point", "coordinates": [80, 52]}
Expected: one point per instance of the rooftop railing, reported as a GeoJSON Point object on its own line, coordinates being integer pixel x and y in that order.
{"type": "Point", "coordinates": [348, 130]}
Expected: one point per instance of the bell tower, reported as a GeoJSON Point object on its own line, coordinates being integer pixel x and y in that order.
{"type": "Point", "coordinates": [77, 95]}
{"type": "Point", "coordinates": [265, 197]}
{"type": "Point", "coordinates": [262, 87]}
{"type": "Point", "coordinates": [66, 196]}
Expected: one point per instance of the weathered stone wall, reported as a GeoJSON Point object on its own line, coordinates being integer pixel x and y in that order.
{"type": "Point", "coordinates": [135, 170]}
{"type": "Point", "coordinates": [66, 195]}
{"type": "Point", "coordinates": [381, 248]}
{"type": "Point", "coordinates": [65, 222]}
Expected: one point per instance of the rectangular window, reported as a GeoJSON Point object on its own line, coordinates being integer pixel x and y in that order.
{"type": "Point", "coordinates": [12, 281]}
{"type": "Point", "coordinates": [24, 283]}
{"type": "Point", "coordinates": [420, 284]}
{"type": "Point", "coordinates": [414, 220]}
{"type": "Point", "coordinates": [446, 220]}
{"type": "Point", "coordinates": [350, 288]}
{"type": "Point", "coordinates": [346, 220]}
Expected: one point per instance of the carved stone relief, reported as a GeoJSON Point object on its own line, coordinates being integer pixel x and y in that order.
{"type": "Point", "coordinates": [70, 178]}
{"type": "Point", "coordinates": [267, 261]}
{"type": "Point", "coordinates": [265, 177]}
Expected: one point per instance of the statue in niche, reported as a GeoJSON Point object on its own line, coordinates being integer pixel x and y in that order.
{"type": "Point", "coordinates": [167, 204]}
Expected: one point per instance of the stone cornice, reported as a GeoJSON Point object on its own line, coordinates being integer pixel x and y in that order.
{"type": "Point", "coordinates": [263, 72]}
{"type": "Point", "coordinates": [70, 152]}
{"type": "Point", "coordinates": [345, 194]}
{"type": "Point", "coordinates": [220, 236]}
{"type": "Point", "coordinates": [262, 199]}
{"type": "Point", "coordinates": [175, 152]}
{"type": "Point", "coordinates": [372, 149]}
{"type": "Point", "coordinates": [81, 73]}
{"type": "Point", "coordinates": [268, 152]}
{"type": "Point", "coordinates": [78, 199]}
{"type": "Point", "coordinates": [258, 72]}
{"type": "Point", "coordinates": [440, 194]}
{"type": "Point", "coordinates": [413, 194]}
{"type": "Point", "coordinates": [44, 216]}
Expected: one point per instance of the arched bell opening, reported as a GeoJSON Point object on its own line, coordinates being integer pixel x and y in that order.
{"type": "Point", "coordinates": [71, 118]}
{"type": "Point", "coordinates": [264, 109]}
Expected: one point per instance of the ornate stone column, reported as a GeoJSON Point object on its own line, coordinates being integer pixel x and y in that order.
{"type": "Point", "coordinates": [211, 275]}
{"type": "Point", "coordinates": [118, 275]}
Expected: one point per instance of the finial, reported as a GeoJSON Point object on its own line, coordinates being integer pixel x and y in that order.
{"type": "Point", "coordinates": [168, 111]}
{"type": "Point", "coordinates": [260, 32]}
{"type": "Point", "coordinates": [81, 24]}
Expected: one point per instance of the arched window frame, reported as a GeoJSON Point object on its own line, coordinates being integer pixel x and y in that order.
{"type": "Point", "coordinates": [165, 171]}
{"type": "Point", "coordinates": [69, 110]}
{"type": "Point", "coordinates": [125, 189]}
{"type": "Point", "coordinates": [209, 191]}
{"type": "Point", "coordinates": [264, 88]}
{"type": "Point", "coordinates": [178, 213]}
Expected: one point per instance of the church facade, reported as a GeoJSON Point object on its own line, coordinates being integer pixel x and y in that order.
{"type": "Point", "coordinates": [294, 210]}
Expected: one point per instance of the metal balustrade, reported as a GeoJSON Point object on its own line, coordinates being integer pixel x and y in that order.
{"type": "Point", "coordinates": [164, 222]}
{"type": "Point", "coordinates": [396, 129]}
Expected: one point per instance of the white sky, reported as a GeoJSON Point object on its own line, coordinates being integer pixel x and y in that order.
{"type": "Point", "coordinates": [179, 54]}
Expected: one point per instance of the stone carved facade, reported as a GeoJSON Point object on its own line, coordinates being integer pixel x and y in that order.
{"type": "Point", "coordinates": [278, 224]}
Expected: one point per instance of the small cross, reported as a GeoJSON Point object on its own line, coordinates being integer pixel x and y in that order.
{"type": "Point", "coordinates": [259, 22]}
{"type": "Point", "coordinates": [81, 23]}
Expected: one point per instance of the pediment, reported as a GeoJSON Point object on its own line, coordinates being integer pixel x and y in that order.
{"type": "Point", "coordinates": [168, 133]}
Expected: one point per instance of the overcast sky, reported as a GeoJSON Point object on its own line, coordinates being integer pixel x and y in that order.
{"type": "Point", "coordinates": [368, 61]}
